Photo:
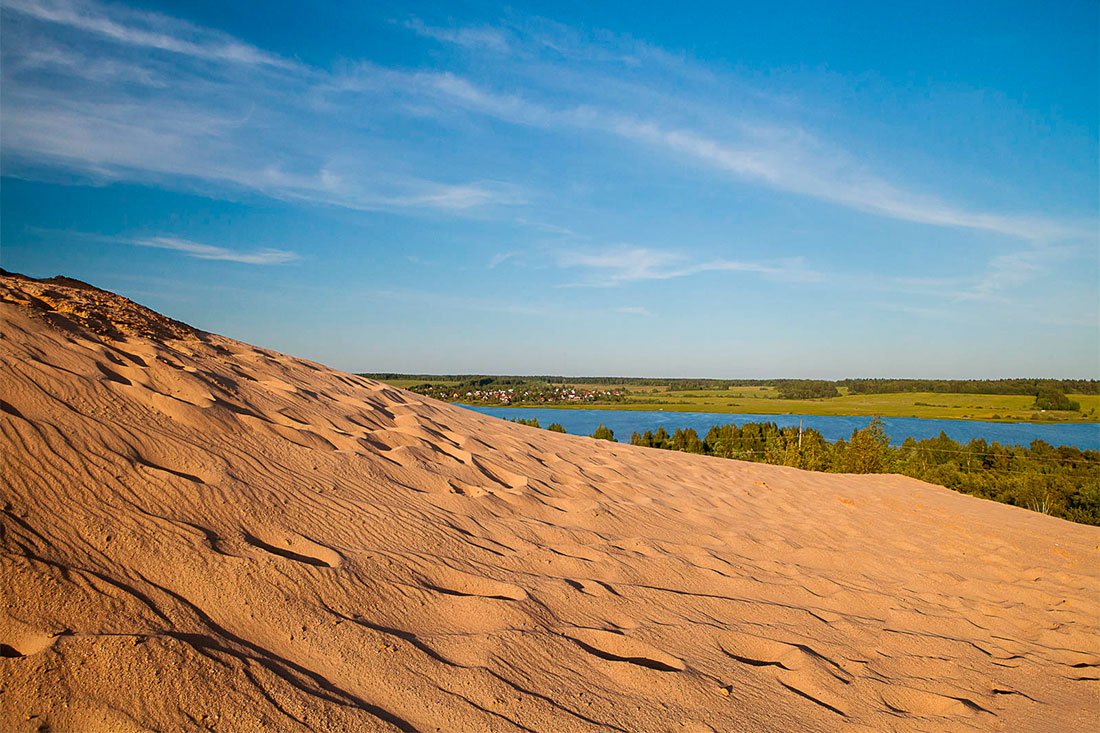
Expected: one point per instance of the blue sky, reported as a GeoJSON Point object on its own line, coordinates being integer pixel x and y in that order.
{"type": "Point", "coordinates": [733, 190]}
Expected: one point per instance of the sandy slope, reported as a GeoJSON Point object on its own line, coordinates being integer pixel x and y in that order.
{"type": "Point", "coordinates": [202, 534]}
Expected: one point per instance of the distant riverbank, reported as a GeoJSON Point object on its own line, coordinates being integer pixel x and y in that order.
{"type": "Point", "coordinates": [1005, 401]}
{"type": "Point", "coordinates": [926, 406]}
{"type": "Point", "coordinates": [627, 420]}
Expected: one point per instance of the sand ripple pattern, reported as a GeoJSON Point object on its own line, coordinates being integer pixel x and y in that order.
{"type": "Point", "coordinates": [198, 534]}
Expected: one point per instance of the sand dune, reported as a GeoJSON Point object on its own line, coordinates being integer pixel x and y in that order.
{"type": "Point", "coordinates": [201, 534]}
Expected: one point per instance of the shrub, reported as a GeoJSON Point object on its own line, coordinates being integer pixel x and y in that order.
{"type": "Point", "coordinates": [1050, 398]}
{"type": "Point", "coordinates": [604, 433]}
{"type": "Point", "coordinates": [532, 423]}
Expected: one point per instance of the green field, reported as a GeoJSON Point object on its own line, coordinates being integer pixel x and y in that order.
{"type": "Point", "coordinates": [763, 401]}
{"type": "Point", "coordinates": [757, 400]}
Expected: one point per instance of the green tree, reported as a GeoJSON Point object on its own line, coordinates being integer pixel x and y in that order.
{"type": "Point", "coordinates": [604, 433]}
{"type": "Point", "coordinates": [1052, 398]}
{"type": "Point", "coordinates": [687, 441]}
{"type": "Point", "coordinates": [692, 442]}
{"type": "Point", "coordinates": [660, 438]}
{"type": "Point", "coordinates": [806, 389]}
{"type": "Point", "coordinates": [556, 427]}
{"type": "Point", "coordinates": [532, 423]}
{"type": "Point", "coordinates": [868, 449]}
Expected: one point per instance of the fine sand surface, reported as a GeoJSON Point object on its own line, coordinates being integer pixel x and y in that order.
{"type": "Point", "coordinates": [199, 534]}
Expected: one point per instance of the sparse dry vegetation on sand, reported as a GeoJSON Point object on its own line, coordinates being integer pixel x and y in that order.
{"type": "Point", "coordinates": [203, 535]}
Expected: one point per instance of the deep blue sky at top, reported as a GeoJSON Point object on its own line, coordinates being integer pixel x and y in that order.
{"type": "Point", "coordinates": [733, 189]}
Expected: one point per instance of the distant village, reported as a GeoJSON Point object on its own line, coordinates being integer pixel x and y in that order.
{"type": "Point", "coordinates": [520, 394]}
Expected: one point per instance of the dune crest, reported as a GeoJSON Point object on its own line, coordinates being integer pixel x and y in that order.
{"type": "Point", "coordinates": [200, 534]}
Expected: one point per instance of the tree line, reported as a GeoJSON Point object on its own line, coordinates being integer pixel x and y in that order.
{"type": "Point", "coordinates": [554, 427]}
{"type": "Point", "coordinates": [971, 386]}
{"type": "Point", "coordinates": [1061, 481]}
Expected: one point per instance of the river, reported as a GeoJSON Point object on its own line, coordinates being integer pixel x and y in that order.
{"type": "Point", "coordinates": [832, 427]}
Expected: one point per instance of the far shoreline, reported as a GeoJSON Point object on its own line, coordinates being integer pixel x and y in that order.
{"type": "Point", "coordinates": [717, 409]}
{"type": "Point", "coordinates": [583, 421]}
{"type": "Point", "coordinates": [1005, 401]}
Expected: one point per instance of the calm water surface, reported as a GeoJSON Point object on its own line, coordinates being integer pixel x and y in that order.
{"type": "Point", "coordinates": [625, 422]}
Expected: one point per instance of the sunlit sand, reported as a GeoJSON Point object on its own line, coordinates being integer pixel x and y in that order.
{"type": "Point", "coordinates": [202, 534]}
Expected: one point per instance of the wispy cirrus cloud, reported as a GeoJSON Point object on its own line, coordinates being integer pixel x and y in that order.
{"type": "Point", "coordinates": [50, 56]}
{"type": "Point", "coordinates": [145, 30]}
{"type": "Point", "coordinates": [1016, 285]}
{"type": "Point", "coordinates": [1004, 273]}
{"type": "Point", "coordinates": [198, 250]}
{"type": "Point", "coordinates": [476, 37]}
{"type": "Point", "coordinates": [1002, 278]}
{"type": "Point", "coordinates": [633, 310]}
{"type": "Point", "coordinates": [148, 97]}
{"type": "Point", "coordinates": [500, 258]}
{"type": "Point", "coordinates": [538, 39]}
{"type": "Point", "coordinates": [625, 264]}
{"type": "Point", "coordinates": [188, 247]}
{"type": "Point", "coordinates": [785, 158]}
{"type": "Point", "coordinates": [138, 96]}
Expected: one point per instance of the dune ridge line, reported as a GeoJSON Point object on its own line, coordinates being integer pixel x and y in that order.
{"type": "Point", "coordinates": [199, 534]}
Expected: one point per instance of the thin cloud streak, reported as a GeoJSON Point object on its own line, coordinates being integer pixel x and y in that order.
{"type": "Point", "coordinates": [500, 258]}
{"type": "Point", "coordinates": [1012, 280]}
{"type": "Point", "coordinates": [145, 30]}
{"type": "Point", "coordinates": [785, 159]}
{"type": "Point", "coordinates": [218, 116]}
{"type": "Point", "coordinates": [210, 252]}
{"type": "Point", "coordinates": [120, 140]}
{"type": "Point", "coordinates": [49, 56]}
{"type": "Point", "coordinates": [482, 37]}
{"type": "Point", "coordinates": [228, 113]}
{"type": "Point", "coordinates": [621, 265]}
{"type": "Point", "coordinates": [1006, 274]}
